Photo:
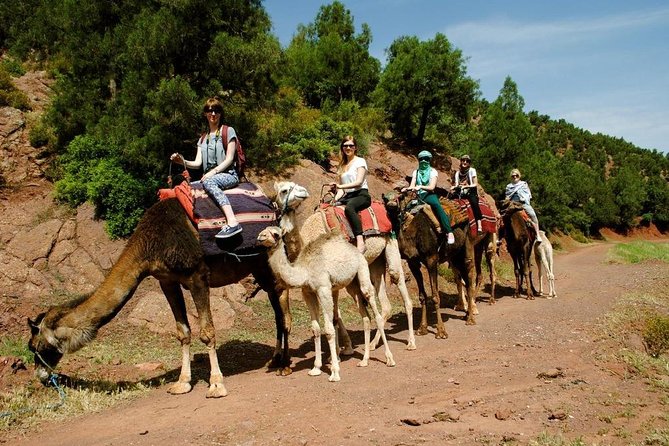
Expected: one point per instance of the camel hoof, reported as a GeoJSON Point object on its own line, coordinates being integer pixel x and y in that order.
{"type": "Point", "coordinates": [283, 371]}
{"type": "Point", "coordinates": [390, 361]}
{"type": "Point", "coordinates": [422, 331]}
{"type": "Point", "coordinates": [334, 378]}
{"type": "Point", "coordinates": [475, 310]}
{"type": "Point", "coordinates": [274, 363]}
{"type": "Point", "coordinates": [411, 345]}
{"type": "Point", "coordinates": [216, 391]}
{"type": "Point", "coordinates": [315, 371]}
{"type": "Point", "coordinates": [346, 351]}
{"type": "Point", "coordinates": [470, 322]}
{"type": "Point", "coordinates": [363, 363]}
{"type": "Point", "coordinates": [441, 335]}
{"type": "Point", "coordinates": [179, 388]}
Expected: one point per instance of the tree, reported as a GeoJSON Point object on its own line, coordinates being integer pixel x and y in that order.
{"type": "Point", "coordinates": [327, 62]}
{"type": "Point", "coordinates": [508, 138]}
{"type": "Point", "coordinates": [424, 82]}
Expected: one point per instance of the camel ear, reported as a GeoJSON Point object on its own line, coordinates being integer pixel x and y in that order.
{"type": "Point", "coordinates": [34, 328]}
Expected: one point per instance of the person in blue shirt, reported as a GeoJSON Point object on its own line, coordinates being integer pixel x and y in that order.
{"type": "Point", "coordinates": [217, 159]}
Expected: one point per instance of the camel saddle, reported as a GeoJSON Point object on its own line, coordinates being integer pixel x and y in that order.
{"type": "Point", "coordinates": [253, 209]}
{"type": "Point", "coordinates": [374, 219]}
{"type": "Point", "coordinates": [489, 221]}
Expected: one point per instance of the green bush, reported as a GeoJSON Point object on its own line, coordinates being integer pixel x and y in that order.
{"type": "Point", "coordinates": [92, 171]}
{"type": "Point", "coordinates": [656, 335]}
{"type": "Point", "coordinates": [12, 66]}
{"type": "Point", "coordinates": [9, 95]}
{"type": "Point", "coordinates": [40, 134]}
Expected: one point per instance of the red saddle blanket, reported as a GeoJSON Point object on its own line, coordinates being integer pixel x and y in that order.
{"type": "Point", "coordinates": [374, 219]}
{"type": "Point", "coordinates": [253, 209]}
{"type": "Point", "coordinates": [489, 221]}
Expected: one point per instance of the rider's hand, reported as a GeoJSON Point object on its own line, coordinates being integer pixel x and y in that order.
{"type": "Point", "coordinates": [333, 187]}
{"type": "Point", "coordinates": [176, 158]}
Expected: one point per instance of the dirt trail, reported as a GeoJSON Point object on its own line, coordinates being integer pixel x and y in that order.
{"type": "Point", "coordinates": [484, 378]}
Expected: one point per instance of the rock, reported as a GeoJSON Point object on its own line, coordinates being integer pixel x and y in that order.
{"type": "Point", "coordinates": [35, 243]}
{"type": "Point", "coordinates": [503, 414]}
{"type": "Point", "coordinates": [550, 374]}
{"type": "Point", "coordinates": [411, 421]}
{"type": "Point", "coordinates": [558, 415]}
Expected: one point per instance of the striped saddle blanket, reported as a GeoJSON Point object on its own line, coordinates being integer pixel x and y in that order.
{"type": "Point", "coordinates": [374, 219]}
{"type": "Point", "coordinates": [489, 222]}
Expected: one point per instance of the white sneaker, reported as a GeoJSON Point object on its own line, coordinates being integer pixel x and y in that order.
{"type": "Point", "coordinates": [451, 238]}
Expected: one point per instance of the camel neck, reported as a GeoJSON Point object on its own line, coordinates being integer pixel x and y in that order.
{"type": "Point", "coordinates": [292, 276]}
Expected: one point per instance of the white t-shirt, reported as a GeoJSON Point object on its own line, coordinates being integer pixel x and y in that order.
{"type": "Point", "coordinates": [351, 174]}
{"type": "Point", "coordinates": [433, 174]}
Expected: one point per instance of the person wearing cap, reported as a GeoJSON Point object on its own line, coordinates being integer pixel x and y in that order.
{"type": "Point", "coordinates": [467, 181]}
{"type": "Point", "coordinates": [519, 191]}
{"type": "Point", "coordinates": [423, 181]}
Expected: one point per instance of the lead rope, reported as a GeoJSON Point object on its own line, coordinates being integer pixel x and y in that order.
{"type": "Point", "coordinates": [53, 381]}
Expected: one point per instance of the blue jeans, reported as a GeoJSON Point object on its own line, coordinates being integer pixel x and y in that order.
{"type": "Point", "coordinates": [530, 212]}
{"type": "Point", "coordinates": [216, 184]}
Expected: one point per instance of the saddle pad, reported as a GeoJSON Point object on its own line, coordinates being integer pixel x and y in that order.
{"type": "Point", "coordinates": [374, 219]}
{"type": "Point", "coordinates": [489, 221]}
{"type": "Point", "coordinates": [253, 209]}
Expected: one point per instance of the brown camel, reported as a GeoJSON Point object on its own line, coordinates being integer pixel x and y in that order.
{"type": "Point", "coordinates": [420, 244]}
{"type": "Point", "coordinates": [382, 253]}
{"type": "Point", "coordinates": [519, 241]}
{"type": "Point", "coordinates": [165, 245]}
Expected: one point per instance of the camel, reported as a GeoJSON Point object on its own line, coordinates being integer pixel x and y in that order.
{"type": "Point", "coordinates": [519, 241]}
{"type": "Point", "coordinates": [382, 251]}
{"type": "Point", "coordinates": [420, 243]}
{"type": "Point", "coordinates": [543, 255]}
{"type": "Point", "coordinates": [325, 264]}
{"type": "Point", "coordinates": [165, 245]}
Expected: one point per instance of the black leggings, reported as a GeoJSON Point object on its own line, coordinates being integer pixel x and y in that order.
{"type": "Point", "coordinates": [355, 202]}
{"type": "Point", "coordinates": [473, 197]}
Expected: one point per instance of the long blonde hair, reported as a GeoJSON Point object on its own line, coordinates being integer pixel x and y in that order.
{"type": "Point", "coordinates": [343, 159]}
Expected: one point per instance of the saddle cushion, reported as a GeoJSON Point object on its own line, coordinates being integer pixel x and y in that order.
{"type": "Point", "coordinates": [489, 221]}
{"type": "Point", "coordinates": [253, 209]}
{"type": "Point", "coordinates": [374, 219]}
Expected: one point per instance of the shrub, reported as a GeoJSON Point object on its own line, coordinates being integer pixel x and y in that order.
{"type": "Point", "coordinates": [656, 335]}
{"type": "Point", "coordinates": [12, 66]}
{"type": "Point", "coordinates": [9, 95]}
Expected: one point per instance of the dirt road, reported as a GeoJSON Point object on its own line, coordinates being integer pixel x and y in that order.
{"type": "Point", "coordinates": [481, 385]}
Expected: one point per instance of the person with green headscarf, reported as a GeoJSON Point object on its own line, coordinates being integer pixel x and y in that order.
{"type": "Point", "coordinates": [423, 181]}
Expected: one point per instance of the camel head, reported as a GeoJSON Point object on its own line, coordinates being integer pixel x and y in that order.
{"type": "Point", "coordinates": [43, 345]}
{"type": "Point", "coordinates": [269, 237]}
{"type": "Point", "coordinates": [289, 195]}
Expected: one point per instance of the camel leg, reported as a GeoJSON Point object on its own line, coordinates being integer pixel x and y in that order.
{"type": "Point", "coordinates": [340, 330]}
{"type": "Point", "coordinates": [367, 290]}
{"type": "Point", "coordinates": [354, 290]}
{"type": "Point", "coordinates": [344, 340]}
{"type": "Point", "coordinates": [284, 323]}
{"type": "Point", "coordinates": [470, 282]}
{"type": "Point", "coordinates": [312, 305]}
{"type": "Point", "coordinates": [394, 262]}
{"type": "Point", "coordinates": [326, 302]}
{"type": "Point", "coordinates": [433, 273]}
{"type": "Point", "coordinates": [175, 298]}
{"type": "Point", "coordinates": [490, 254]}
{"type": "Point", "coordinates": [199, 289]}
{"type": "Point", "coordinates": [527, 270]}
{"type": "Point", "coordinates": [377, 272]}
{"type": "Point", "coordinates": [414, 266]}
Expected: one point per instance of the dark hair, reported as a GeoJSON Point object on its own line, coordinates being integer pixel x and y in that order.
{"type": "Point", "coordinates": [213, 103]}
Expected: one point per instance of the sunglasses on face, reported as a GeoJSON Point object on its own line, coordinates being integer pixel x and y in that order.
{"type": "Point", "coordinates": [464, 161]}
{"type": "Point", "coordinates": [423, 159]}
{"type": "Point", "coordinates": [514, 176]}
{"type": "Point", "coordinates": [348, 145]}
{"type": "Point", "coordinates": [212, 110]}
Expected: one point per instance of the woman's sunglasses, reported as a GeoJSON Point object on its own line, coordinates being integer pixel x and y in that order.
{"type": "Point", "coordinates": [348, 145]}
{"type": "Point", "coordinates": [515, 176]}
{"type": "Point", "coordinates": [212, 110]}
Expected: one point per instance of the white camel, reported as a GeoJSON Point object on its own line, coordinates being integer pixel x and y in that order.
{"type": "Point", "coordinates": [327, 263]}
{"type": "Point", "coordinates": [382, 252]}
{"type": "Point", "coordinates": [543, 254]}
